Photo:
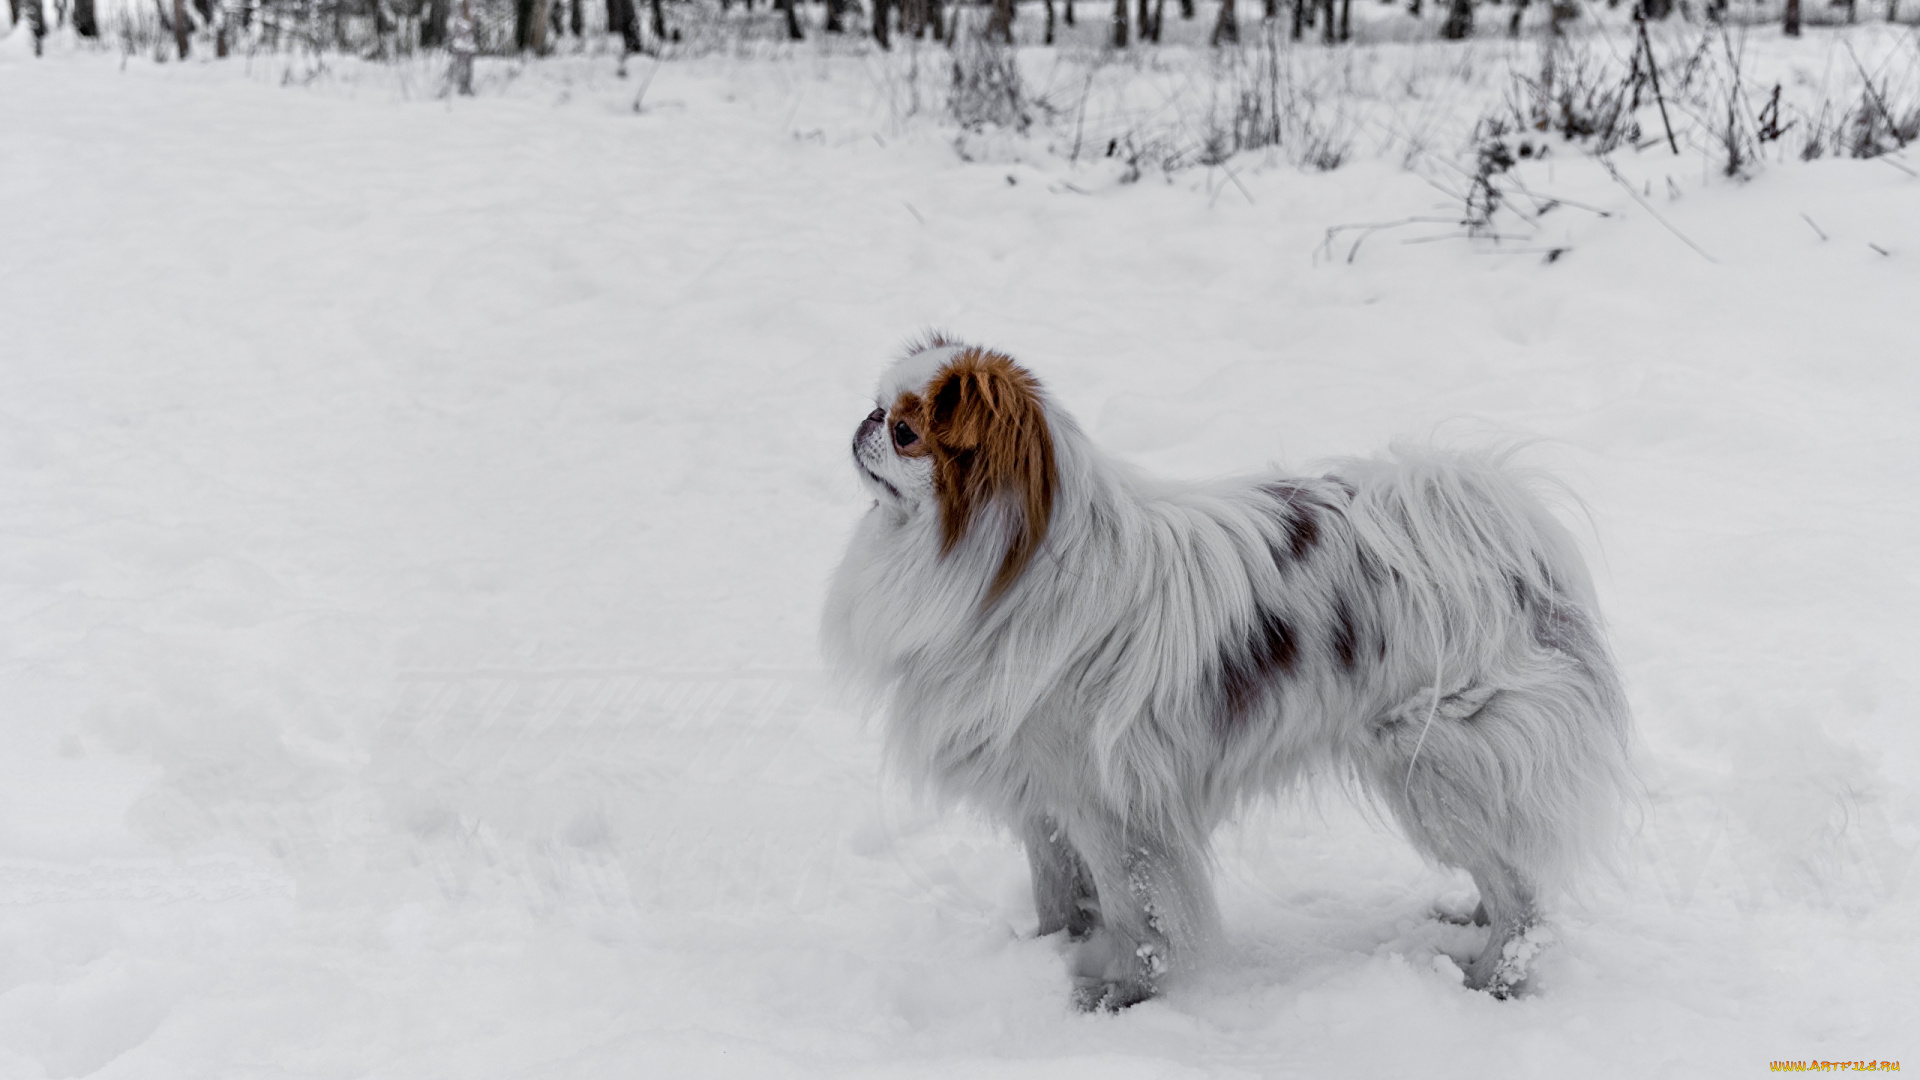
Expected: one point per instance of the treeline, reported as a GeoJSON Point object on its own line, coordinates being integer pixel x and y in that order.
{"type": "Point", "coordinates": [378, 27]}
{"type": "Point", "coordinates": [504, 27]}
{"type": "Point", "coordinates": [30, 12]}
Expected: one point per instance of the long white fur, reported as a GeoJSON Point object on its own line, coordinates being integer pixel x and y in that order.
{"type": "Point", "coordinates": [1090, 707]}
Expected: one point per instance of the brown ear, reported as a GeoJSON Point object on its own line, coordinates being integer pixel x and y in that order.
{"type": "Point", "coordinates": [988, 432]}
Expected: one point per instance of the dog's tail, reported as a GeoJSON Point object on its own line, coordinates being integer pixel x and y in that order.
{"type": "Point", "coordinates": [1456, 530]}
{"type": "Point", "coordinates": [1489, 602]}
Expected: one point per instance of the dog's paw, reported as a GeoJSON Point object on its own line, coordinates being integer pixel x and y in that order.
{"type": "Point", "coordinates": [1112, 972]}
{"type": "Point", "coordinates": [1109, 997]}
{"type": "Point", "coordinates": [1504, 974]}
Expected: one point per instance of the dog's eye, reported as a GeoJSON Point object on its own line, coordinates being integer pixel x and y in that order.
{"type": "Point", "coordinates": [903, 435]}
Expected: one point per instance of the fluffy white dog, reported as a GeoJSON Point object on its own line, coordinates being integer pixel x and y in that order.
{"type": "Point", "coordinates": [1111, 665]}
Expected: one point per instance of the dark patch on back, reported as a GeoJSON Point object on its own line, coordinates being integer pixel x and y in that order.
{"type": "Point", "coordinates": [1521, 593]}
{"type": "Point", "coordinates": [1270, 648]}
{"type": "Point", "coordinates": [1302, 516]}
{"type": "Point", "coordinates": [1306, 531]}
{"type": "Point", "coordinates": [1346, 636]}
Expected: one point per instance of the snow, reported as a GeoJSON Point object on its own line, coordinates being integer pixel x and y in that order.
{"type": "Point", "coordinates": [416, 514]}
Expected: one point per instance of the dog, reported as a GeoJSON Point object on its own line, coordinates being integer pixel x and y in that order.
{"type": "Point", "coordinates": [1110, 665]}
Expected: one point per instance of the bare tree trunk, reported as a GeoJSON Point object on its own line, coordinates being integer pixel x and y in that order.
{"type": "Point", "coordinates": [1328, 30]}
{"type": "Point", "coordinates": [1119, 24]}
{"type": "Point", "coordinates": [881, 7]}
{"type": "Point", "coordinates": [1186, 9]}
{"type": "Point", "coordinates": [433, 24]}
{"type": "Point", "coordinates": [1519, 13]}
{"type": "Point", "coordinates": [1159, 17]}
{"type": "Point", "coordinates": [1000, 21]}
{"type": "Point", "coordinates": [1299, 19]}
{"type": "Point", "coordinates": [1069, 13]}
{"type": "Point", "coordinates": [1271, 10]}
{"type": "Point", "coordinates": [87, 26]}
{"type": "Point", "coordinates": [36, 20]}
{"type": "Point", "coordinates": [793, 20]}
{"type": "Point", "coordinates": [623, 18]}
{"type": "Point", "coordinates": [1346, 20]}
{"type": "Point", "coordinates": [1049, 39]}
{"type": "Point", "coordinates": [658, 22]}
{"type": "Point", "coordinates": [389, 24]}
{"type": "Point", "coordinates": [1790, 25]}
{"type": "Point", "coordinates": [181, 27]}
{"type": "Point", "coordinates": [1226, 26]}
{"type": "Point", "coordinates": [1459, 22]}
{"type": "Point", "coordinates": [461, 44]}
{"type": "Point", "coordinates": [576, 19]}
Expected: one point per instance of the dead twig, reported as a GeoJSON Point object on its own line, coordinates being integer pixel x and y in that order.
{"type": "Point", "coordinates": [1889, 160]}
{"type": "Point", "coordinates": [1648, 207]}
{"type": "Point", "coordinates": [1893, 126]}
{"type": "Point", "coordinates": [1369, 229]}
{"type": "Point", "coordinates": [1653, 72]}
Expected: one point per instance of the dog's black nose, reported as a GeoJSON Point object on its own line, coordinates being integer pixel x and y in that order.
{"type": "Point", "coordinates": [874, 419]}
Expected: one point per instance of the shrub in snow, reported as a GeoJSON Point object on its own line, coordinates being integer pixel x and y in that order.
{"type": "Point", "coordinates": [986, 84]}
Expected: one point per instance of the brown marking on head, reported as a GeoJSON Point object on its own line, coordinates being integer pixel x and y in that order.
{"type": "Point", "coordinates": [986, 429]}
{"type": "Point", "coordinates": [907, 426]}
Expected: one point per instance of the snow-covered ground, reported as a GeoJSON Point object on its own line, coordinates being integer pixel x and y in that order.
{"type": "Point", "coordinates": [413, 520]}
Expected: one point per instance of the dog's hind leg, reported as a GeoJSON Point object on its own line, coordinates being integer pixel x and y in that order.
{"type": "Point", "coordinates": [1063, 893]}
{"type": "Point", "coordinates": [1508, 897]}
{"type": "Point", "coordinates": [1489, 781]}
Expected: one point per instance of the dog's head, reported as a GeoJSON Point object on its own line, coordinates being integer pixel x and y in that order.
{"type": "Point", "coordinates": [961, 432]}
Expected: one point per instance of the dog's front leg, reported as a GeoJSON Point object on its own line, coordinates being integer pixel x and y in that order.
{"type": "Point", "coordinates": [1063, 893]}
{"type": "Point", "coordinates": [1155, 911]}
